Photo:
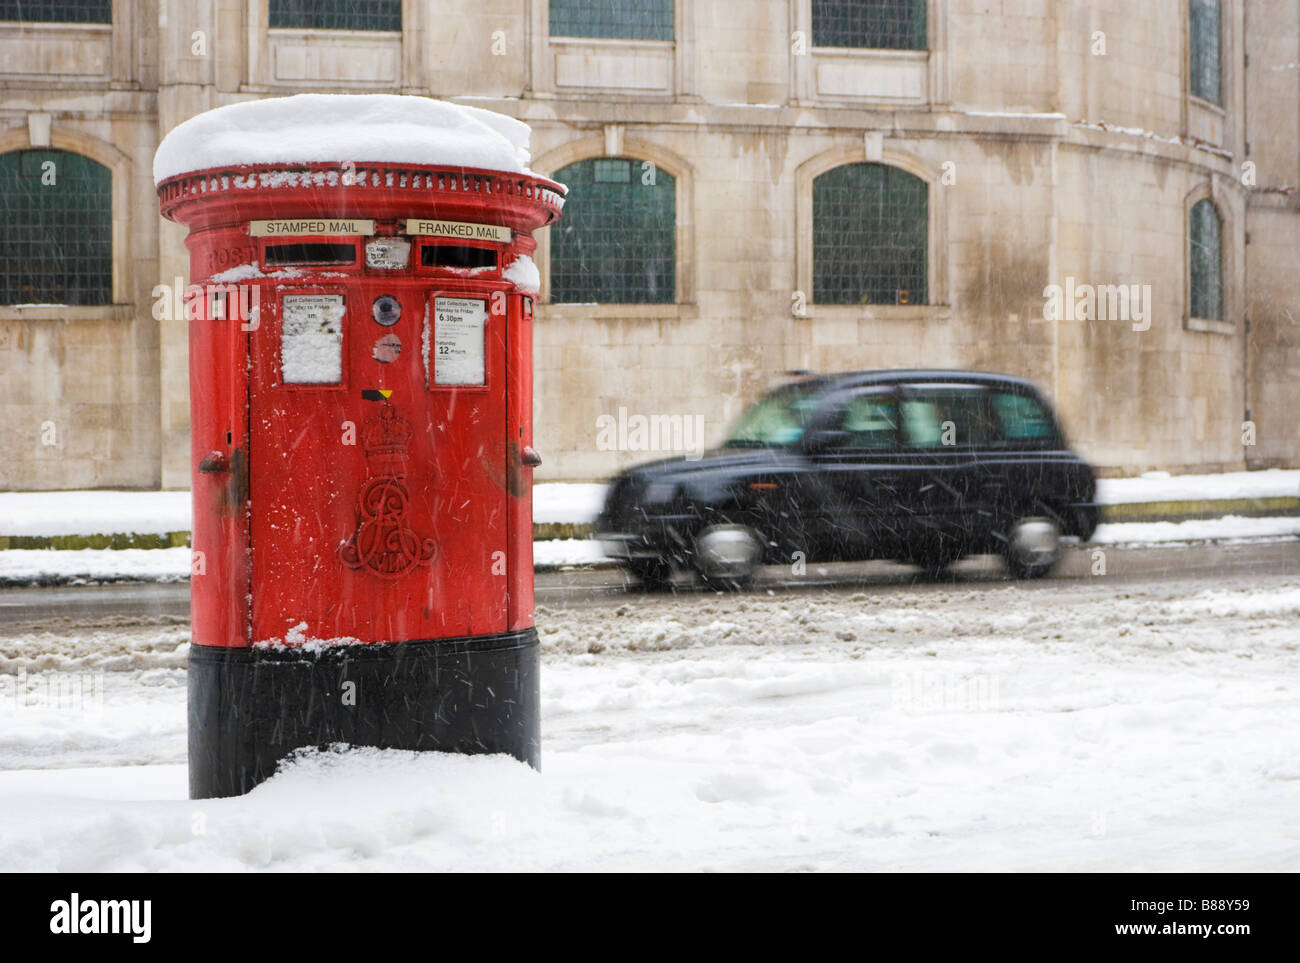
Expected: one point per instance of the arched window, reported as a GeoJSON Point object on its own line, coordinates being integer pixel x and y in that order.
{"type": "Point", "coordinates": [57, 243]}
{"type": "Point", "coordinates": [1203, 30]}
{"type": "Point", "coordinates": [870, 235]}
{"type": "Point", "coordinates": [1205, 254]}
{"type": "Point", "coordinates": [873, 24]}
{"type": "Point", "coordinates": [335, 14]}
{"type": "Point", "coordinates": [614, 19]}
{"type": "Point", "coordinates": [616, 243]}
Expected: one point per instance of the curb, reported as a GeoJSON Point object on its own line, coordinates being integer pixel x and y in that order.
{"type": "Point", "coordinates": [1194, 509]}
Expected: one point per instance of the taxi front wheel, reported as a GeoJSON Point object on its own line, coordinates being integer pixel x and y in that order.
{"type": "Point", "coordinates": [727, 556]}
{"type": "Point", "coordinates": [1033, 546]}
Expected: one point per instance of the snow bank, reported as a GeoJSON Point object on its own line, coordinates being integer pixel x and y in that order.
{"type": "Point", "coordinates": [146, 513]}
{"type": "Point", "coordinates": [85, 644]}
{"type": "Point", "coordinates": [1228, 528]}
{"type": "Point", "coordinates": [337, 128]}
{"type": "Point", "coordinates": [157, 513]}
{"type": "Point", "coordinates": [553, 552]}
{"type": "Point", "coordinates": [95, 564]}
{"type": "Point", "coordinates": [173, 564]}
{"type": "Point", "coordinates": [1221, 604]}
{"type": "Point", "coordinates": [19, 565]}
{"type": "Point", "coordinates": [563, 503]}
{"type": "Point", "coordinates": [1160, 486]}
{"type": "Point", "coordinates": [94, 513]}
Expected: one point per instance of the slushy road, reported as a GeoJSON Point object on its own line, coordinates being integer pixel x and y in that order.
{"type": "Point", "coordinates": [123, 603]}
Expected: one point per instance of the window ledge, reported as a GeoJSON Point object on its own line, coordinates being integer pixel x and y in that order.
{"type": "Point", "coordinates": [881, 53]}
{"type": "Point", "coordinates": [333, 33]}
{"type": "Point", "coordinates": [613, 312]}
{"type": "Point", "coordinates": [67, 312]}
{"type": "Point", "coordinates": [1210, 325]}
{"type": "Point", "coordinates": [1207, 105]}
{"type": "Point", "coordinates": [879, 312]}
{"type": "Point", "coordinates": [613, 43]}
{"type": "Point", "coordinates": [25, 28]}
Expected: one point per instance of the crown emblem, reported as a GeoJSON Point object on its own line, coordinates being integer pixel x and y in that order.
{"type": "Point", "coordinates": [385, 437]}
{"type": "Point", "coordinates": [383, 542]}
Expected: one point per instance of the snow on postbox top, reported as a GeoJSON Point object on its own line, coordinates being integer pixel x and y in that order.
{"type": "Point", "coordinates": [373, 156]}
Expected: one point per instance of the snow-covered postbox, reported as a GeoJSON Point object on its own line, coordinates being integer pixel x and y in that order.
{"type": "Point", "coordinates": [360, 314]}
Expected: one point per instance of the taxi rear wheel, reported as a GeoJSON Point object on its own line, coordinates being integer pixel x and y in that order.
{"type": "Point", "coordinates": [653, 573]}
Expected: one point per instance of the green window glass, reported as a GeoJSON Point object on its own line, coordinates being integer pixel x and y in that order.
{"type": "Point", "coordinates": [57, 242]}
{"type": "Point", "coordinates": [1204, 30]}
{"type": "Point", "coordinates": [874, 24]}
{"type": "Point", "coordinates": [57, 11]}
{"type": "Point", "coordinates": [336, 14]}
{"type": "Point", "coordinates": [777, 419]}
{"type": "Point", "coordinates": [1022, 418]}
{"type": "Point", "coordinates": [1206, 257]}
{"type": "Point", "coordinates": [941, 416]}
{"type": "Point", "coordinates": [613, 19]}
{"type": "Point", "coordinates": [616, 243]}
{"type": "Point", "coordinates": [870, 422]}
{"type": "Point", "coordinates": [870, 231]}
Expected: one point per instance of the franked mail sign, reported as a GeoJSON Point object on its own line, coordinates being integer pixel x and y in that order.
{"type": "Point", "coordinates": [459, 229]}
{"type": "Point", "coordinates": [329, 226]}
{"type": "Point", "coordinates": [458, 341]}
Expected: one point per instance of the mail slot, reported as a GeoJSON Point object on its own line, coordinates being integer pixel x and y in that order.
{"type": "Point", "coordinates": [361, 419]}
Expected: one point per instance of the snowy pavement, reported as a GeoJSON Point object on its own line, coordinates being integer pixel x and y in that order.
{"type": "Point", "coordinates": [1160, 486]}
{"type": "Point", "coordinates": [159, 513]}
{"type": "Point", "coordinates": [74, 566]}
{"type": "Point", "coordinates": [1102, 726]}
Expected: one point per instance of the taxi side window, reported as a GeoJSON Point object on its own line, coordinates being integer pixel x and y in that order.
{"type": "Point", "coordinates": [870, 422]}
{"type": "Point", "coordinates": [1022, 418]}
{"type": "Point", "coordinates": [943, 416]}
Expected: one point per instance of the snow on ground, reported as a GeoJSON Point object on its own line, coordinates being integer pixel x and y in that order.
{"type": "Point", "coordinates": [94, 513]}
{"type": "Point", "coordinates": [173, 564]}
{"type": "Point", "coordinates": [157, 513]}
{"type": "Point", "coordinates": [1229, 528]}
{"type": "Point", "coordinates": [64, 685]}
{"type": "Point", "coordinates": [95, 564]}
{"type": "Point", "coordinates": [109, 512]}
{"type": "Point", "coordinates": [1160, 486]}
{"type": "Point", "coordinates": [1082, 725]}
{"type": "Point", "coordinates": [567, 551]}
{"type": "Point", "coordinates": [575, 504]}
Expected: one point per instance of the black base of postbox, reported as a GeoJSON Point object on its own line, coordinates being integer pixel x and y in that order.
{"type": "Point", "coordinates": [250, 708]}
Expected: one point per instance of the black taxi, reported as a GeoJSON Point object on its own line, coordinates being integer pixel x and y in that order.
{"type": "Point", "coordinates": [920, 466]}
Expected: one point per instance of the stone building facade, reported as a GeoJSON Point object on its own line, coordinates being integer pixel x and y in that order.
{"type": "Point", "coordinates": [997, 146]}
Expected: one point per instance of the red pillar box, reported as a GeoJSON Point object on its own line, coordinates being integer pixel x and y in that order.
{"type": "Point", "coordinates": [360, 315]}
